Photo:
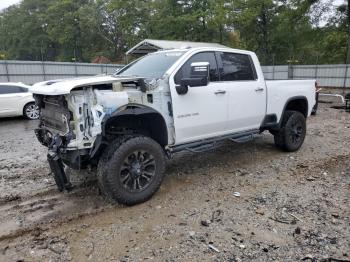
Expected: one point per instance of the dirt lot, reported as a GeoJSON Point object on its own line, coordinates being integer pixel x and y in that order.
{"type": "Point", "coordinates": [291, 207]}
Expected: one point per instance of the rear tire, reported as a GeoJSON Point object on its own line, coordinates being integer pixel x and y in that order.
{"type": "Point", "coordinates": [292, 134]}
{"type": "Point", "coordinates": [31, 111]}
{"type": "Point", "coordinates": [131, 169]}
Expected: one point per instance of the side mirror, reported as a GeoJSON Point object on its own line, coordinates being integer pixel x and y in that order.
{"type": "Point", "coordinates": [199, 77]}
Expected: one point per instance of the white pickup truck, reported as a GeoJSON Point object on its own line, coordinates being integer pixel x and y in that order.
{"type": "Point", "coordinates": [124, 125]}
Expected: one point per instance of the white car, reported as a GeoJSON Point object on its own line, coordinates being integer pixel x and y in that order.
{"type": "Point", "coordinates": [16, 100]}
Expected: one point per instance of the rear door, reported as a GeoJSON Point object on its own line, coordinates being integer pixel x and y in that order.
{"type": "Point", "coordinates": [11, 100]}
{"type": "Point", "coordinates": [246, 92]}
{"type": "Point", "coordinates": [202, 112]}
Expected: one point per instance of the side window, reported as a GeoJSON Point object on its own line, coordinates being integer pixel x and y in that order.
{"type": "Point", "coordinates": [237, 67]}
{"type": "Point", "coordinates": [11, 89]}
{"type": "Point", "coordinates": [185, 70]}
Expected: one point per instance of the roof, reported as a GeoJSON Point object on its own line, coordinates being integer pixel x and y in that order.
{"type": "Point", "coordinates": [151, 45]}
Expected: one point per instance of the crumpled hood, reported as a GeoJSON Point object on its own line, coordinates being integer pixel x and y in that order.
{"type": "Point", "coordinates": [65, 86]}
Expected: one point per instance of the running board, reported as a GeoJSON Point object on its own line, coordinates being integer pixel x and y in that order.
{"type": "Point", "coordinates": [211, 143]}
{"type": "Point", "coordinates": [203, 148]}
{"type": "Point", "coordinates": [243, 139]}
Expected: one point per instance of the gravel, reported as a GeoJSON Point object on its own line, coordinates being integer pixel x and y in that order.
{"type": "Point", "coordinates": [291, 206]}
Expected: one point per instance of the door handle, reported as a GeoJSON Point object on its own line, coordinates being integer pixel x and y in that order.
{"type": "Point", "coordinates": [220, 92]}
{"type": "Point", "coordinates": [259, 89]}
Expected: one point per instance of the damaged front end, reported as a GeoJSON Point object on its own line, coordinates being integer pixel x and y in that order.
{"type": "Point", "coordinates": [71, 123]}
{"type": "Point", "coordinates": [70, 127]}
{"type": "Point", "coordinates": [54, 132]}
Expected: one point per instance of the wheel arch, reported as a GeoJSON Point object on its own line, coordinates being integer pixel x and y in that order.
{"type": "Point", "coordinates": [140, 119]}
{"type": "Point", "coordinates": [296, 103]}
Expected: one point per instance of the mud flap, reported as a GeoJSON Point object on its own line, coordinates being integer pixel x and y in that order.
{"type": "Point", "coordinates": [57, 170]}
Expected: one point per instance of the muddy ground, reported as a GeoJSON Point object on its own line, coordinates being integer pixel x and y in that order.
{"type": "Point", "coordinates": [292, 206]}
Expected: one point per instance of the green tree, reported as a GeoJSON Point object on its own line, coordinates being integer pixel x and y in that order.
{"type": "Point", "coordinates": [65, 26]}
{"type": "Point", "coordinates": [79, 30]}
{"type": "Point", "coordinates": [335, 38]}
{"type": "Point", "coordinates": [22, 34]}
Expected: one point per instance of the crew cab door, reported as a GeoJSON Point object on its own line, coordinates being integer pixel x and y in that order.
{"type": "Point", "coordinates": [201, 112]}
{"type": "Point", "coordinates": [246, 91]}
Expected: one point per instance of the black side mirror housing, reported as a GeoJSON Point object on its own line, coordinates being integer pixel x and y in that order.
{"type": "Point", "coordinates": [199, 77]}
{"type": "Point", "coordinates": [181, 89]}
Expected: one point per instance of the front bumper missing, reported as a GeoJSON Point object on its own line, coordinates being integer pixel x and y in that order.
{"type": "Point", "coordinates": [56, 165]}
{"type": "Point", "coordinates": [57, 170]}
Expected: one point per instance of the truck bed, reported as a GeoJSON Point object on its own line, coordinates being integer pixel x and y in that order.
{"type": "Point", "coordinates": [280, 91]}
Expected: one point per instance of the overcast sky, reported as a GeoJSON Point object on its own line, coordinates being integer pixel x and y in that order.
{"type": "Point", "coordinates": [6, 3]}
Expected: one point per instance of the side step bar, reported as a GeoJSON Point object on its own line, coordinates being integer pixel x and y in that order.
{"type": "Point", "coordinates": [211, 143]}
{"type": "Point", "coordinates": [203, 148]}
{"type": "Point", "coordinates": [243, 139]}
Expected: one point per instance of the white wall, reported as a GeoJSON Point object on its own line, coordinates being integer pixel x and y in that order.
{"type": "Point", "coordinates": [326, 75]}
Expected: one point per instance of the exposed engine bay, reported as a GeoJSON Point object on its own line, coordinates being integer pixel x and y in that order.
{"type": "Point", "coordinates": [71, 124]}
{"type": "Point", "coordinates": [75, 120]}
{"type": "Point", "coordinates": [77, 116]}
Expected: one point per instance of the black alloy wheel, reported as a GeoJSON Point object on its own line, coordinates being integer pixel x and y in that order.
{"type": "Point", "coordinates": [131, 169]}
{"type": "Point", "coordinates": [137, 171]}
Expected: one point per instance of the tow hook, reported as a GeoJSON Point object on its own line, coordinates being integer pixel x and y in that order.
{"type": "Point", "coordinates": [56, 165]}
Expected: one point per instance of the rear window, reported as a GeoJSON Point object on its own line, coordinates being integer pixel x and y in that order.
{"type": "Point", "coordinates": [237, 67]}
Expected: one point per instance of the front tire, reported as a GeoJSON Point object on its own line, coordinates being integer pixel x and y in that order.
{"type": "Point", "coordinates": [31, 111]}
{"type": "Point", "coordinates": [292, 134]}
{"type": "Point", "coordinates": [131, 170]}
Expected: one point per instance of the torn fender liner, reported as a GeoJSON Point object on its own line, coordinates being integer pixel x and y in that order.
{"type": "Point", "coordinates": [57, 169]}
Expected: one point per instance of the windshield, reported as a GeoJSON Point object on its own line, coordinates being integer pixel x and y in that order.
{"type": "Point", "coordinates": [151, 66]}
